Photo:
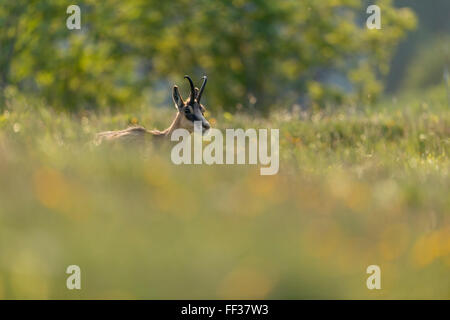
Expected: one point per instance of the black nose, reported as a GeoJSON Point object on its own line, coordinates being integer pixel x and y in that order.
{"type": "Point", "coordinates": [206, 125]}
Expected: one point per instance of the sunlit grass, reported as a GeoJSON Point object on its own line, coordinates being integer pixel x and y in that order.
{"type": "Point", "coordinates": [355, 188]}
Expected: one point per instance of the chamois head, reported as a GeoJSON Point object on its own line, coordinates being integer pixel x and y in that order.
{"type": "Point", "coordinates": [191, 110]}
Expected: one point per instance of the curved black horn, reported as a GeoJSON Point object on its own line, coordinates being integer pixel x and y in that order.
{"type": "Point", "coordinates": [192, 88]}
{"type": "Point", "coordinates": [199, 96]}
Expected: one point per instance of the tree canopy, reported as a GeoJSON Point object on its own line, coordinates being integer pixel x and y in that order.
{"type": "Point", "coordinates": [257, 53]}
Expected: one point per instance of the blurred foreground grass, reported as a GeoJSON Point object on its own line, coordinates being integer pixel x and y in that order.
{"type": "Point", "coordinates": [355, 188]}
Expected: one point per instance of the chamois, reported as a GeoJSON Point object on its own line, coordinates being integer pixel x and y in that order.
{"type": "Point", "coordinates": [187, 112]}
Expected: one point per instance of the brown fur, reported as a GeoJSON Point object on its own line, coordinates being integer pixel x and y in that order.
{"type": "Point", "coordinates": [140, 134]}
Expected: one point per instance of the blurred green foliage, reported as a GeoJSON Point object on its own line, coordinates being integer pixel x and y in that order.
{"type": "Point", "coordinates": [428, 65]}
{"type": "Point", "coordinates": [433, 26]}
{"type": "Point", "coordinates": [257, 53]}
{"type": "Point", "coordinates": [355, 188]}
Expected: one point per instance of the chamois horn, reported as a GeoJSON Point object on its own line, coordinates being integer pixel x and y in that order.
{"type": "Point", "coordinates": [192, 97]}
{"type": "Point", "coordinates": [199, 96]}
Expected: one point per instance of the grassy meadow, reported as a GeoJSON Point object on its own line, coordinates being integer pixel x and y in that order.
{"type": "Point", "coordinates": [356, 187]}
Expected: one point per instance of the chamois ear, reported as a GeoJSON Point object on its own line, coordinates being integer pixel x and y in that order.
{"type": "Point", "coordinates": [177, 99]}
